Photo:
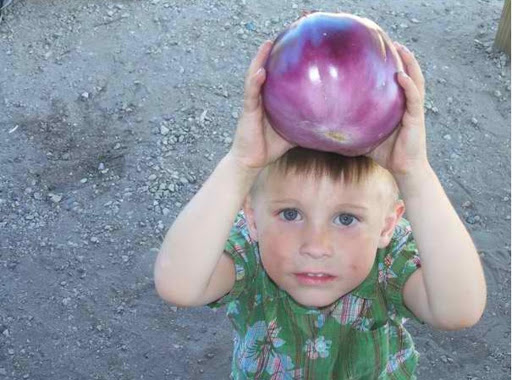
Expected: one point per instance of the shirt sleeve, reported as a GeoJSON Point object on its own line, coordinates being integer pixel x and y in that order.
{"type": "Point", "coordinates": [401, 260]}
{"type": "Point", "coordinates": [244, 252]}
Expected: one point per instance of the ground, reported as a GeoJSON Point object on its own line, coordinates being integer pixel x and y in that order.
{"type": "Point", "coordinates": [112, 115]}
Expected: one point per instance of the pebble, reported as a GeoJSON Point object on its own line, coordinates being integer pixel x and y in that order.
{"type": "Point", "coordinates": [83, 180]}
{"type": "Point", "coordinates": [467, 204]}
{"type": "Point", "coordinates": [474, 121]}
{"type": "Point", "coordinates": [152, 177]}
{"type": "Point", "coordinates": [164, 130]}
{"type": "Point", "coordinates": [84, 95]}
{"type": "Point", "coordinates": [447, 137]}
{"type": "Point", "coordinates": [56, 198]}
{"type": "Point", "coordinates": [473, 219]}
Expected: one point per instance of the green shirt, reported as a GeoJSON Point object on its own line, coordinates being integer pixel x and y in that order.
{"type": "Point", "coordinates": [360, 336]}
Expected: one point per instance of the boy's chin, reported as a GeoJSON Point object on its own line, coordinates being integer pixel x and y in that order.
{"type": "Point", "coordinates": [315, 302]}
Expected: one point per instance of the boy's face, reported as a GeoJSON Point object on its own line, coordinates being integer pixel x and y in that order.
{"type": "Point", "coordinates": [318, 238]}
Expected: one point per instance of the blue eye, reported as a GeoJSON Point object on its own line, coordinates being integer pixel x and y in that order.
{"type": "Point", "coordinates": [289, 214]}
{"type": "Point", "coordinates": [346, 219]}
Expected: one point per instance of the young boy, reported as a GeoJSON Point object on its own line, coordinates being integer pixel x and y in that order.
{"type": "Point", "coordinates": [319, 271]}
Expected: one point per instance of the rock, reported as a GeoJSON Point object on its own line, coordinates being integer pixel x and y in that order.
{"type": "Point", "coordinates": [164, 130]}
{"type": "Point", "coordinates": [56, 198]}
{"type": "Point", "coordinates": [473, 219]}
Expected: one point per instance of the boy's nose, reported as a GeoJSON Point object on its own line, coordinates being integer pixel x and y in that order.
{"type": "Point", "coordinates": [316, 242]}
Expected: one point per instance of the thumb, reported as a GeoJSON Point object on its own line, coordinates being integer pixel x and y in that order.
{"type": "Point", "coordinates": [252, 92]}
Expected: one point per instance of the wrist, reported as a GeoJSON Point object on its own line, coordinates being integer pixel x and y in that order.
{"type": "Point", "coordinates": [415, 179]}
{"type": "Point", "coordinates": [241, 170]}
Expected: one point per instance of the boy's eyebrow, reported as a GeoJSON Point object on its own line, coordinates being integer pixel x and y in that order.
{"type": "Point", "coordinates": [339, 205]}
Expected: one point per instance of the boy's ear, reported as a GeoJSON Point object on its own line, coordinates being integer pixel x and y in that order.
{"type": "Point", "coordinates": [249, 215]}
{"type": "Point", "coordinates": [392, 218]}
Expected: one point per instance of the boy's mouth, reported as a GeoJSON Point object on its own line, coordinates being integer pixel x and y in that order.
{"type": "Point", "coordinates": [314, 278]}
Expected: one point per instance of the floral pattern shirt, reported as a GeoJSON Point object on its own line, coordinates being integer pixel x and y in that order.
{"type": "Point", "coordinates": [360, 336]}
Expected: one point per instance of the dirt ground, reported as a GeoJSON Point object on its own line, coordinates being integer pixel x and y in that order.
{"type": "Point", "coordinates": [113, 114]}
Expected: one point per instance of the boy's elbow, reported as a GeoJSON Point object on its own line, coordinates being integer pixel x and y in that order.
{"type": "Point", "coordinates": [172, 296]}
{"type": "Point", "coordinates": [171, 292]}
{"type": "Point", "coordinates": [467, 319]}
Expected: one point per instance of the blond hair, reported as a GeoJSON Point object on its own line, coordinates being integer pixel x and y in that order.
{"type": "Point", "coordinates": [307, 162]}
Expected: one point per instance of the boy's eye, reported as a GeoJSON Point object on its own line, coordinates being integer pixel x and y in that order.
{"type": "Point", "coordinates": [289, 214]}
{"type": "Point", "coordinates": [346, 219]}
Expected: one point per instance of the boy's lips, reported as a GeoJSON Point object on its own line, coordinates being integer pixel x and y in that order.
{"type": "Point", "coordinates": [314, 278]}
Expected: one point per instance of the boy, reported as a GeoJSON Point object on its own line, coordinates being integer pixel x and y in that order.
{"type": "Point", "coordinates": [319, 270]}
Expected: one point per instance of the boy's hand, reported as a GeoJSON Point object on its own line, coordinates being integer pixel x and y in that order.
{"type": "Point", "coordinates": [405, 151]}
{"type": "Point", "coordinates": [256, 144]}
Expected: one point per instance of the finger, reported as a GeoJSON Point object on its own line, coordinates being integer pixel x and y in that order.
{"type": "Point", "coordinates": [255, 77]}
{"type": "Point", "coordinates": [414, 100]}
{"type": "Point", "coordinates": [260, 58]}
{"type": "Point", "coordinates": [252, 90]}
{"type": "Point", "coordinates": [412, 67]}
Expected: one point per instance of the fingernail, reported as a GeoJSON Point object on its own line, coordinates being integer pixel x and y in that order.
{"type": "Point", "coordinates": [402, 74]}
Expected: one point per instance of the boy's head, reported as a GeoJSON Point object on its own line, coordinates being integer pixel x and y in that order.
{"type": "Point", "coordinates": [319, 218]}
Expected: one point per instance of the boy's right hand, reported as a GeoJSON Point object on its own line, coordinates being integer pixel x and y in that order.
{"type": "Point", "coordinates": [256, 144]}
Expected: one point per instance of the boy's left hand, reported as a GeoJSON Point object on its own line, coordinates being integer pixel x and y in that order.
{"type": "Point", "coordinates": [405, 151]}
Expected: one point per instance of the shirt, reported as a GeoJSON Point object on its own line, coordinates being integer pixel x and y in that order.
{"type": "Point", "coordinates": [360, 336]}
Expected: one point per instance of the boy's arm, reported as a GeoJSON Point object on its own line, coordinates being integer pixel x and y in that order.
{"type": "Point", "coordinates": [449, 290]}
{"type": "Point", "coordinates": [190, 269]}
{"type": "Point", "coordinates": [193, 246]}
